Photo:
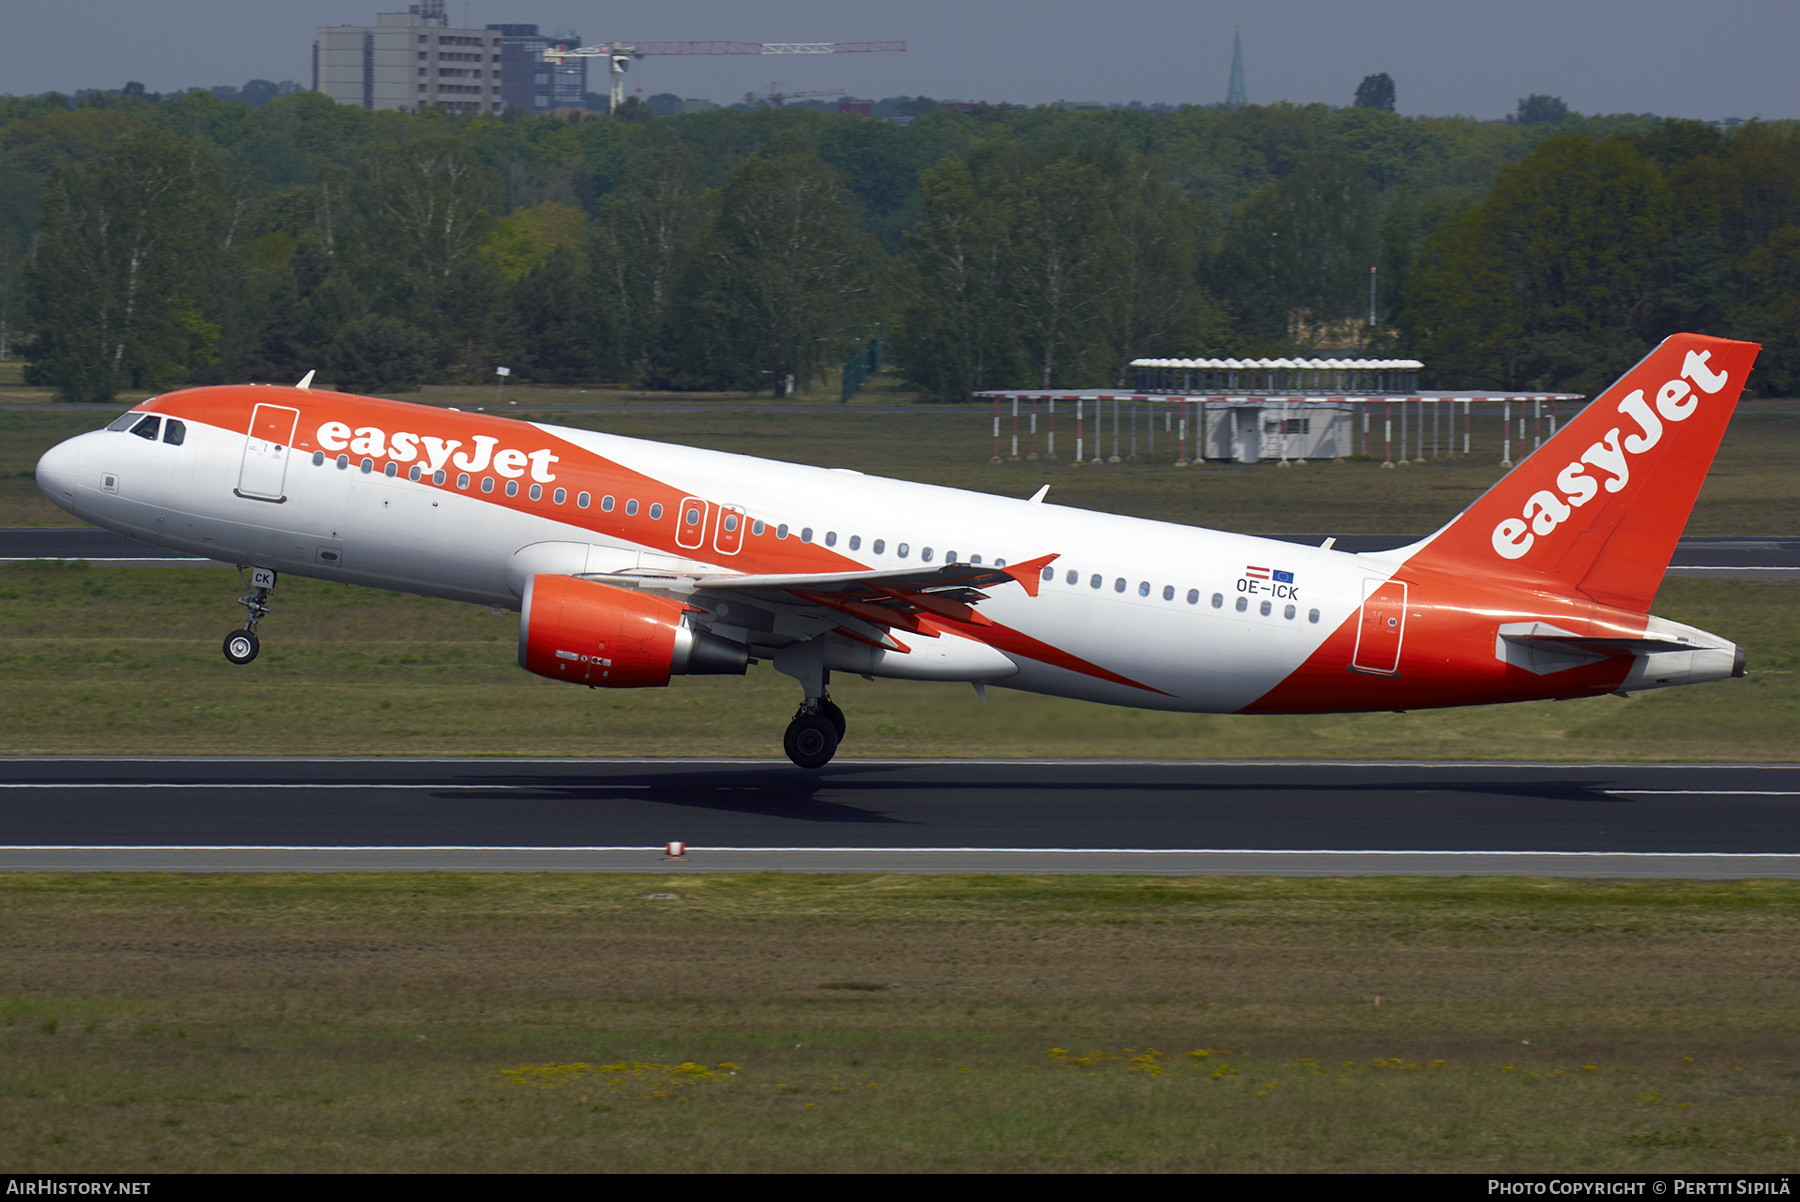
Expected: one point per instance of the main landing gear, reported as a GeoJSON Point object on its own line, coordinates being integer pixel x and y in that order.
{"type": "Point", "coordinates": [817, 728]}
{"type": "Point", "coordinates": [813, 736]}
{"type": "Point", "coordinates": [241, 646]}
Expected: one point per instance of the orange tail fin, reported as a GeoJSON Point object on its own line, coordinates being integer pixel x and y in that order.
{"type": "Point", "coordinates": [1598, 509]}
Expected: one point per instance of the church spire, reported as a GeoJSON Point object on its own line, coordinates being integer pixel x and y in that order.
{"type": "Point", "coordinates": [1236, 98]}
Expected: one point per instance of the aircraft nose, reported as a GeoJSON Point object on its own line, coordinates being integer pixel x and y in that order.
{"type": "Point", "coordinates": [58, 470]}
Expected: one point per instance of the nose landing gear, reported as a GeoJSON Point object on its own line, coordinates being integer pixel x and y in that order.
{"type": "Point", "coordinates": [241, 646]}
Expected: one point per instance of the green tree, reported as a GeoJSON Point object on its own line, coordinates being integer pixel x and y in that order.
{"type": "Point", "coordinates": [785, 281]}
{"type": "Point", "coordinates": [953, 332]}
{"type": "Point", "coordinates": [648, 231]}
{"type": "Point", "coordinates": [1295, 263]}
{"type": "Point", "coordinates": [1545, 282]}
{"type": "Point", "coordinates": [1537, 109]}
{"type": "Point", "coordinates": [114, 289]}
{"type": "Point", "coordinates": [1068, 259]}
{"type": "Point", "coordinates": [422, 211]}
{"type": "Point", "coordinates": [1376, 92]}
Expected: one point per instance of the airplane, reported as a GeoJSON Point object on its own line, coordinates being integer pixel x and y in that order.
{"type": "Point", "coordinates": [631, 562]}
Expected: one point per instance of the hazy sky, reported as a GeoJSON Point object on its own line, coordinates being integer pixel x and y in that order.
{"type": "Point", "coordinates": [1727, 58]}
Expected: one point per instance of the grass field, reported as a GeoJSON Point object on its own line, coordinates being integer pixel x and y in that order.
{"type": "Point", "coordinates": [370, 1023]}
{"type": "Point", "coordinates": [126, 660]}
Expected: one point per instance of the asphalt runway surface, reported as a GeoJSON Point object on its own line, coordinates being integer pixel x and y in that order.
{"type": "Point", "coordinates": [1173, 818]}
{"type": "Point", "coordinates": [1727, 556]}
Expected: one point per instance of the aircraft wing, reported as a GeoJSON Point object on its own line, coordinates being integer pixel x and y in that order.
{"type": "Point", "coordinates": [905, 598]}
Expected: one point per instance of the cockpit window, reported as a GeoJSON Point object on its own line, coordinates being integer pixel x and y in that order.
{"type": "Point", "coordinates": [124, 420]}
{"type": "Point", "coordinates": [174, 432]}
{"type": "Point", "coordinates": [147, 428]}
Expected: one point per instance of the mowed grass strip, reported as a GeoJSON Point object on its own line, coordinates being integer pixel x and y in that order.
{"type": "Point", "coordinates": [126, 661]}
{"type": "Point", "coordinates": [458, 1023]}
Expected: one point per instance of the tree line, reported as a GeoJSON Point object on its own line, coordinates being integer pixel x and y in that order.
{"type": "Point", "coordinates": [149, 242]}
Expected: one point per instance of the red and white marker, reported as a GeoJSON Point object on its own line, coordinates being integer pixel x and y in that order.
{"type": "Point", "coordinates": [675, 851]}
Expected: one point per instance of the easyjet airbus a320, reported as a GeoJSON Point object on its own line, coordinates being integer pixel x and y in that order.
{"type": "Point", "coordinates": [630, 562]}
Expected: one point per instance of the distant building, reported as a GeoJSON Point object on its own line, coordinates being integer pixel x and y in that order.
{"type": "Point", "coordinates": [410, 61]}
{"type": "Point", "coordinates": [532, 84]}
{"type": "Point", "coordinates": [692, 105]}
{"type": "Point", "coordinates": [854, 106]}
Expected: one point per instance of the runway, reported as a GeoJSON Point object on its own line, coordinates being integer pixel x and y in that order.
{"type": "Point", "coordinates": [1775, 557]}
{"type": "Point", "coordinates": [915, 816]}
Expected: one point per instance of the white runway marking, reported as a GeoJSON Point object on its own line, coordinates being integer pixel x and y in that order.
{"type": "Point", "coordinates": [1702, 792]}
{"type": "Point", "coordinates": [333, 785]}
{"type": "Point", "coordinates": [1066, 851]}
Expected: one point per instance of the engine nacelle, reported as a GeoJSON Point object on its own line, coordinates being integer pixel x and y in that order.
{"type": "Point", "coordinates": [615, 638]}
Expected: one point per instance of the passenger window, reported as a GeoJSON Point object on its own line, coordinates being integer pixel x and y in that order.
{"type": "Point", "coordinates": [1144, 588]}
{"type": "Point", "coordinates": [781, 531]}
{"type": "Point", "coordinates": [537, 490]}
{"type": "Point", "coordinates": [1094, 580]}
{"type": "Point", "coordinates": [1119, 585]}
{"type": "Point", "coordinates": [1312, 615]}
{"type": "Point", "coordinates": [1264, 609]}
{"type": "Point", "coordinates": [512, 486]}
{"type": "Point", "coordinates": [631, 508]}
{"type": "Point", "coordinates": [831, 538]}
{"type": "Point", "coordinates": [880, 546]}
{"type": "Point", "coordinates": [174, 432]}
{"type": "Point", "coordinates": [901, 550]}
{"type": "Point", "coordinates": [606, 504]}
{"type": "Point", "coordinates": [559, 496]}
{"type": "Point", "coordinates": [757, 528]}
{"type": "Point", "coordinates": [147, 428]}
{"type": "Point", "coordinates": [1168, 592]}
{"type": "Point", "coordinates": [1073, 576]}
{"type": "Point", "coordinates": [656, 513]}
{"type": "Point", "coordinates": [856, 542]}
{"type": "Point", "coordinates": [1049, 573]}
{"type": "Point", "coordinates": [1288, 613]}
{"type": "Point", "coordinates": [976, 559]}
{"type": "Point", "coordinates": [806, 535]}
{"type": "Point", "coordinates": [1243, 604]}
{"type": "Point", "coordinates": [925, 555]}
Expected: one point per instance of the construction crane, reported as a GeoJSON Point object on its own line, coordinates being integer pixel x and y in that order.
{"type": "Point", "coordinates": [775, 97]}
{"type": "Point", "coordinates": [619, 55]}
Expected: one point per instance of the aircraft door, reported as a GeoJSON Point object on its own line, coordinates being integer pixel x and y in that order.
{"type": "Point", "coordinates": [728, 538]}
{"type": "Point", "coordinates": [263, 473]}
{"type": "Point", "coordinates": [1381, 628]}
{"type": "Point", "coordinates": [690, 523]}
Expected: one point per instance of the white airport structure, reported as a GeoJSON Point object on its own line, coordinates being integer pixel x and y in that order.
{"type": "Point", "coordinates": [1286, 410]}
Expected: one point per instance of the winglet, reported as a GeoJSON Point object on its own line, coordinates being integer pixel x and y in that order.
{"type": "Point", "coordinates": [1037, 498]}
{"type": "Point", "coordinates": [306, 380]}
{"type": "Point", "coordinates": [1030, 574]}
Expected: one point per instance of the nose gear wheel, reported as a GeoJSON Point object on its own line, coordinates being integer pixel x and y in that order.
{"type": "Point", "coordinates": [241, 646]}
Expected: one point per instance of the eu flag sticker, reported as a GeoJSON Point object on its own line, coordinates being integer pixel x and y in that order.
{"type": "Point", "coordinates": [1284, 577]}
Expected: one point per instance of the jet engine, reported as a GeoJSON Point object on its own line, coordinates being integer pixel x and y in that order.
{"type": "Point", "coordinates": [615, 638]}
